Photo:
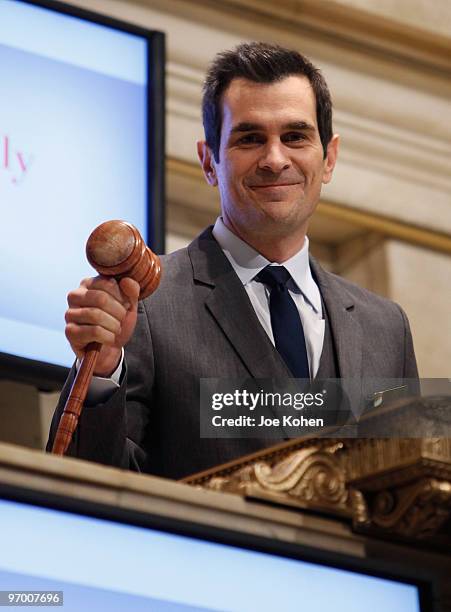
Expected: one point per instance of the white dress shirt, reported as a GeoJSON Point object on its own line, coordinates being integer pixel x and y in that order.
{"type": "Point", "coordinates": [247, 263]}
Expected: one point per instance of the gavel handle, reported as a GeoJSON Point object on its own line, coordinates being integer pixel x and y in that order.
{"type": "Point", "coordinates": [74, 404]}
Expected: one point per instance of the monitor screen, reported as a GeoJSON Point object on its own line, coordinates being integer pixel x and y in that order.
{"type": "Point", "coordinates": [100, 564]}
{"type": "Point", "coordinates": [80, 120]}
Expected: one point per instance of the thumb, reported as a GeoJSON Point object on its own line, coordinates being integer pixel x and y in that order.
{"type": "Point", "coordinates": [130, 288]}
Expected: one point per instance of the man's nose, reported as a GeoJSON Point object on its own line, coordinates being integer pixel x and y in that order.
{"type": "Point", "coordinates": [274, 157]}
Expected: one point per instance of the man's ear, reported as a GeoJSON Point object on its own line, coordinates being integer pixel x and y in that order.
{"type": "Point", "coordinates": [207, 162]}
{"type": "Point", "coordinates": [331, 158]}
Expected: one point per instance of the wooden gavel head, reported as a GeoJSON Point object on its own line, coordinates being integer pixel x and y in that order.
{"type": "Point", "coordinates": [116, 248]}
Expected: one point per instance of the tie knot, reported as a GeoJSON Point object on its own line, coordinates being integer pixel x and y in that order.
{"type": "Point", "coordinates": [274, 276]}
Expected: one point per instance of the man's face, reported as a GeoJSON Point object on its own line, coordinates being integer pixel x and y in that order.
{"type": "Point", "coordinates": [271, 164]}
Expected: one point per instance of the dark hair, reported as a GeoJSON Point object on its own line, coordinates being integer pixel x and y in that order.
{"type": "Point", "coordinates": [262, 63]}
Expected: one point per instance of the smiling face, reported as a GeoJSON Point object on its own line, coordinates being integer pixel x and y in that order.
{"type": "Point", "coordinates": [271, 166]}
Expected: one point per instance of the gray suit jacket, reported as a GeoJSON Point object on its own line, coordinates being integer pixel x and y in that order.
{"type": "Point", "coordinates": [201, 324]}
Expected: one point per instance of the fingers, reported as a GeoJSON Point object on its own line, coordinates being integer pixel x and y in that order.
{"type": "Point", "coordinates": [108, 285]}
{"type": "Point", "coordinates": [95, 316]}
{"type": "Point", "coordinates": [81, 335]}
{"type": "Point", "coordinates": [99, 300]}
{"type": "Point", "coordinates": [101, 310]}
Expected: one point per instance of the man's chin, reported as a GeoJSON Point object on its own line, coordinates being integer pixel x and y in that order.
{"type": "Point", "coordinates": [279, 211]}
{"type": "Point", "coordinates": [277, 223]}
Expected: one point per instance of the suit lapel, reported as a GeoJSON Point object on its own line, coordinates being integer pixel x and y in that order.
{"type": "Point", "coordinates": [232, 310]}
{"type": "Point", "coordinates": [346, 330]}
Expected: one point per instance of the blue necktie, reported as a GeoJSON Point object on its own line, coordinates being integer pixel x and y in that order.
{"type": "Point", "coordinates": [285, 321]}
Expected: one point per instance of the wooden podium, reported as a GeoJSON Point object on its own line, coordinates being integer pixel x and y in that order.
{"type": "Point", "coordinates": [350, 501]}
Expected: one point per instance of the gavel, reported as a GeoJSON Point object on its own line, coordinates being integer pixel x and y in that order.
{"type": "Point", "coordinates": [115, 249]}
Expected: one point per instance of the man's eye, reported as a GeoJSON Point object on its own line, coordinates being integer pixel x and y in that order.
{"type": "Point", "coordinates": [250, 139]}
{"type": "Point", "coordinates": [293, 137]}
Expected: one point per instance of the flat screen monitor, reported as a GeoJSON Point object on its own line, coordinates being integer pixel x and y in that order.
{"type": "Point", "coordinates": [81, 142]}
{"type": "Point", "coordinates": [95, 563]}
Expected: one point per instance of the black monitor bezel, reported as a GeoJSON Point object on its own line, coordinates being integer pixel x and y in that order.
{"type": "Point", "coordinates": [46, 376]}
{"type": "Point", "coordinates": [425, 581]}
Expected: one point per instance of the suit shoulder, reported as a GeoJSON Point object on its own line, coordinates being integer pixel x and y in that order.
{"type": "Point", "coordinates": [173, 262]}
{"type": "Point", "coordinates": [175, 282]}
{"type": "Point", "coordinates": [364, 297]}
{"type": "Point", "coordinates": [175, 256]}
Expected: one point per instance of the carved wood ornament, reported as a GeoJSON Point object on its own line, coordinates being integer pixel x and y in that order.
{"type": "Point", "coordinates": [396, 486]}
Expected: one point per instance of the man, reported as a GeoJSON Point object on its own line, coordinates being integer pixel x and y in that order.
{"type": "Point", "coordinates": [220, 311]}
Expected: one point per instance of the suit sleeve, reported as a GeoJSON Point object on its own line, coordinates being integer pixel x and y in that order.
{"type": "Point", "coordinates": [410, 362]}
{"type": "Point", "coordinates": [115, 432]}
{"type": "Point", "coordinates": [410, 371]}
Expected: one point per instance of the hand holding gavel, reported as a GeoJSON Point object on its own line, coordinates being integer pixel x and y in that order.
{"type": "Point", "coordinates": [102, 312]}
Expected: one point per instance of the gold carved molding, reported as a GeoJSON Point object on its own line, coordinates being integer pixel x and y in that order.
{"type": "Point", "coordinates": [385, 34]}
{"type": "Point", "coordinates": [388, 487]}
{"type": "Point", "coordinates": [310, 477]}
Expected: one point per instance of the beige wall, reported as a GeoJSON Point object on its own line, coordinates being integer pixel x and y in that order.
{"type": "Point", "coordinates": [420, 280]}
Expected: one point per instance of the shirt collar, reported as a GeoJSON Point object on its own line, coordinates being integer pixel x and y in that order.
{"type": "Point", "coordinates": [247, 262]}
